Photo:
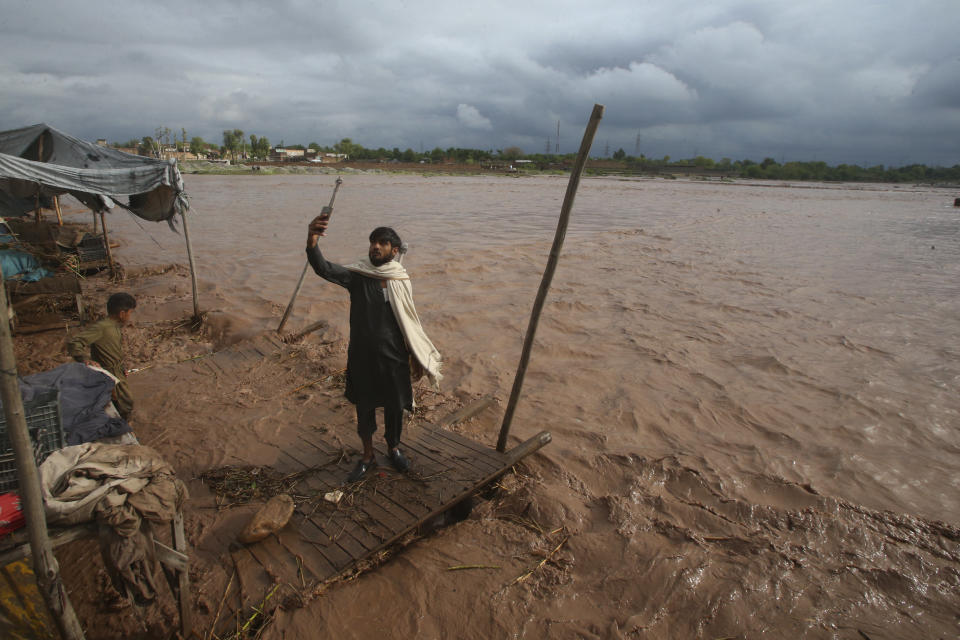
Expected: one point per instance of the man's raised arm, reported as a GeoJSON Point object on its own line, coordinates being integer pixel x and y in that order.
{"type": "Point", "coordinates": [327, 270]}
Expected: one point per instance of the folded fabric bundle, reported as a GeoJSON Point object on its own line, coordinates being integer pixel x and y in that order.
{"type": "Point", "coordinates": [124, 488]}
{"type": "Point", "coordinates": [85, 393]}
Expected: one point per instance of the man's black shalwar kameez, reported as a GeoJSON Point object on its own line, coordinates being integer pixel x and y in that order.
{"type": "Point", "coordinates": [378, 362]}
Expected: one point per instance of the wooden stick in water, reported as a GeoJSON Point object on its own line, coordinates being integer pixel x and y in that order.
{"type": "Point", "coordinates": [197, 318]}
{"type": "Point", "coordinates": [106, 243]}
{"type": "Point", "coordinates": [548, 272]}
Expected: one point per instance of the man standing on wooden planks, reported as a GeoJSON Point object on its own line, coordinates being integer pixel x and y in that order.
{"type": "Point", "coordinates": [388, 347]}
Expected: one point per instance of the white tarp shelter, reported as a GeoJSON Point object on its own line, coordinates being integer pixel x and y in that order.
{"type": "Point", "coordinates": [40, 160]}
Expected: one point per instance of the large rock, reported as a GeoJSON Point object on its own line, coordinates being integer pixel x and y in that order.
{"type": "Point", "coordinates": [272, 517]}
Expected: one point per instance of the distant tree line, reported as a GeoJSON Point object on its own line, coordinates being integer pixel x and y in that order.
{"type": "Point", "coordinates": [819, 171]}
{"type": "Point", "coordinates": [236, 147]}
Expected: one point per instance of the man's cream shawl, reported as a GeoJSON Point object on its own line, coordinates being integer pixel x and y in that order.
{"type": "Point", "coordinates": [400, 294]}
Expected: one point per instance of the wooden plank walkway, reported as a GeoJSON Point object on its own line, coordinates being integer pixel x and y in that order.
{"type": "Point", "coordinates": [241, 357]}
{"type": "Point", "coordinates": [323, 539]}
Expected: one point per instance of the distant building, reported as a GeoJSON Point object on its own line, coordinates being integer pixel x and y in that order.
{"type": "Point", "coordinates": [282, 154]}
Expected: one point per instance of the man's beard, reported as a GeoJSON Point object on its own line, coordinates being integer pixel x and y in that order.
{"type": "Point", "coordinates": [379, 261]}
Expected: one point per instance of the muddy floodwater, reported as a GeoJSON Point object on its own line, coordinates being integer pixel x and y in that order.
{"type": "Point", "coordinates": [752, 391]}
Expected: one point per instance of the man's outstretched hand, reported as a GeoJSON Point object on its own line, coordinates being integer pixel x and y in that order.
{"type": "Point", "coordinates": [317, 228]}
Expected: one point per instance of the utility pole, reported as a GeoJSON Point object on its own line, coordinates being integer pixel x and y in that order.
{"type": "Point", "coordinates": [558, 137]}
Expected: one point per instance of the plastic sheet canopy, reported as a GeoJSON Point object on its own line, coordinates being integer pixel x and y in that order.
{"type": "Point", "coordinates": [40, 160]}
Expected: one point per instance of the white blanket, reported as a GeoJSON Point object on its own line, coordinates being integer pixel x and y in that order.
{"type": "Point", "coordinates": [400, 294]}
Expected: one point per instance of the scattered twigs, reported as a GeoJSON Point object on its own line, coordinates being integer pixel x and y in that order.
{"type": "Point", "coordinates": [258, 611]}
{"type": "Point", "coordinates": [220, 608]}
{"type": "Point", "coordinates": [295, 337]}
{"type": "Point", "coordinates": [468, 411]}
{"type": "Point", "coordinates": [300, 570]}
{"type": "Point", "coordinates": [461, 567]}
{"type": "Point", "coordinates": [197, 357]}
{"type": "Point", "coordinates": [139, 369]}
{"type": "Point", "coordinates": [337, 377]}
{"type": "Point", "coordinates": [240, 485]}
{"type": "Point", "coordinates": [526, 523]}
{"type": "Point", "coordinates": [304, 386]}
{"type": "Point", "coordinates": [529, 573]}
{"type": "Point", "coordinates": [159, 439]}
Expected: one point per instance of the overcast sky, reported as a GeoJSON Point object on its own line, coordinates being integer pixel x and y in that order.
{"type": "Point", "coordinates": [839, 81]}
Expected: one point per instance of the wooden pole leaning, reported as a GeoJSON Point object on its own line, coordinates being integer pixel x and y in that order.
{"type": "Point", "coordinates": [45, 565]}
{"type": "Point", "coordinates": [286, 314]}
{"type": "Point", "coordinates": [56, 205]}
{"type": "Point", "coordinates": [293, 298]}
{"type": "Point", "coordinates": [39, 159]}
{"type": "Point", "coordinates": [106, 243]}
{"type": "Point", "coordinates": [568, 199]}
{"type": "Point", "coordinates": [193, 269]}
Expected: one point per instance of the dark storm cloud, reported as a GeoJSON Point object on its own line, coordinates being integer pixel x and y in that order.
{"type": "Point", "coordinates": [865, 82]}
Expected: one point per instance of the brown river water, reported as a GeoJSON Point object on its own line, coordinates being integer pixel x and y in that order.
{"type": "Point", "coordinates": [752, 391]}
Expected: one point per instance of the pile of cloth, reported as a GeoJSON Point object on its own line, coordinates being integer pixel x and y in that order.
{"type": "Point", "coordinates": [86, 411]}
{"type": "Point", "coordinates": [86, 414]}
{"type": "Point", "coordinates": [104, 476]}
{"type": "Point", "coordinates": [124, 489]}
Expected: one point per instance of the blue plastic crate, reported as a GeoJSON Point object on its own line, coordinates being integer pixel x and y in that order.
{"type": "Point", "coordinates": [46, 434]}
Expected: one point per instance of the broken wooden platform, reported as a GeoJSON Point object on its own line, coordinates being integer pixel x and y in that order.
{"type": "Point", "coordinates": [324, 539]}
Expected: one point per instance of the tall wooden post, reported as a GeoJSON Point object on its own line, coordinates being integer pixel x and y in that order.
{"type": "Point", "coordinates": [193, 269]}
{"type": "Point", "coordinates": [39, 159]}
{"type": "Point", "coordinates": [106, 243]}
{"type": "Point", "coordinates": [548, 272]}
{"type": "Point", "coordinates": [45, 565]}
{"type": "Point", "coordinates": [56, 205]}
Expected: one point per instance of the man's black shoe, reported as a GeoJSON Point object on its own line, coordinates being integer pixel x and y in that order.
{"type": "Point", "coordinates": [399, 461]}
{"type": "Point", "coordinates": [359, 471]}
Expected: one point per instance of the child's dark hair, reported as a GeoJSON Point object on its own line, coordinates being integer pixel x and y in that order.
{"type": "Point", "coordinates": [386, 233]}
{"type": "Point", "coordinates": [120, 302]}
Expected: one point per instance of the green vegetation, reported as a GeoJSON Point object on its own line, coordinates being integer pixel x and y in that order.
{"type": "Point", "coordinates": [258, 148]}
{"type": "Point", "coordinates": [770, 169]}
